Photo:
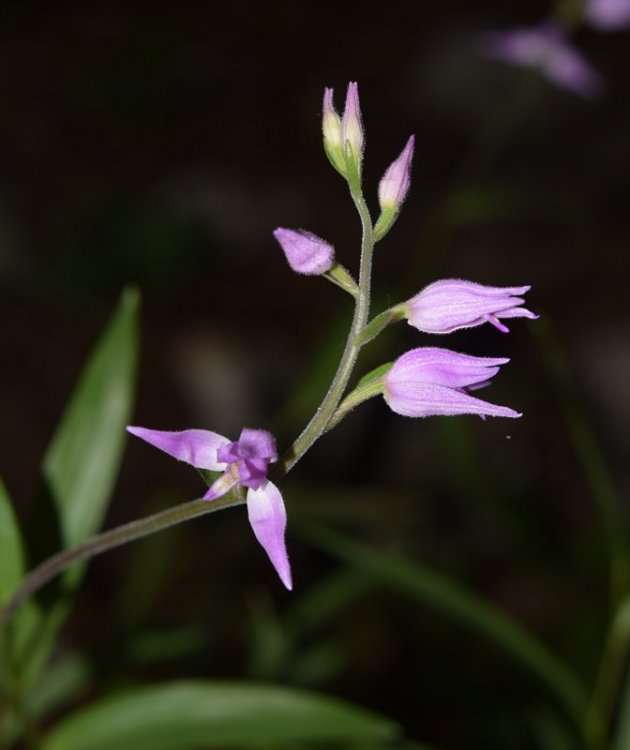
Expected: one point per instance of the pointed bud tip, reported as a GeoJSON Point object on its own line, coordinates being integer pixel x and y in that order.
{"type": "Point", "coordinates": [352, 127]}
{"type": "Point", "coordinates": [394, 185]}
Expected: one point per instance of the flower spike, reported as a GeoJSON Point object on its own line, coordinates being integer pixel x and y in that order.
{"type": "Point", "coordinates": [245, 462]}
{"type": "Point", "coordinates": [430, 381]}
{"type": "Point", "coordinates": [451, 304]}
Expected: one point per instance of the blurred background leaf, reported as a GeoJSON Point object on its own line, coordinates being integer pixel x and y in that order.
{"type": "Point", "coordinates": [453, 600]}
{"type": "Point", "coordinates": [82, 462]}
{"type": "Point", "coordinates": [185, 715]}
{"type": "Point", "coordinates": [11, 550]}
{"type": "Point", "coordinates": [81, 467]}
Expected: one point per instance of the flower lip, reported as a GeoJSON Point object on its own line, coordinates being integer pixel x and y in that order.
{"type": "Point", "coordinates": [252, 453]}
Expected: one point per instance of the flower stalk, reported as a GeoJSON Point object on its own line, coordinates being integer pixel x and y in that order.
{"type": "Point", "coordinates": [422, 382]}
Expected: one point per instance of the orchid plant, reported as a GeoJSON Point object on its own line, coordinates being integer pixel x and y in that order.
{"type": "Point", "coordinates": [422, 382]}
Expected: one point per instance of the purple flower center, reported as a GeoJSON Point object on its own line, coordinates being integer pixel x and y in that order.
{"type": "Point", "coordinates": [252, 453]}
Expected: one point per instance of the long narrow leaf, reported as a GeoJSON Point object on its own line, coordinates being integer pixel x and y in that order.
{"type": "Point", "coordinates": [622, 732]}
{"type": "Point", "coordinates": [594, 464]}
{"type": "Point", "coordinates": [82, 461]}
{"type": "Point", "coordinates": [193, 714]}
{"type": "Point", "coordinates": [81, 465]}
{"type": "Point", "coordinates": [11, 551]}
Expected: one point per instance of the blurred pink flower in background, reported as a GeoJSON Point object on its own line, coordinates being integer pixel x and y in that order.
{"type": "Point", "coordinates": [548, 49]}
{"type": "Point", "coordinates": [607, 15]}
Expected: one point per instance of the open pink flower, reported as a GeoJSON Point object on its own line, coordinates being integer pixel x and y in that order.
{"type": "Point", "coordinates": [451, 304]}
{"type": "Point", "coordinates": [243, 462]}
{"type": "Point", "coordinates": [430, 381]}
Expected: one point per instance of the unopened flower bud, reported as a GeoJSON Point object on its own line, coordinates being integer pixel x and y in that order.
{"type": "Point", "coordinates": [393, 189]}
{"type": "Point", "coordinates": [305, 252]}
{"type": "Point", "coordinates": [331, 127]}
{"type": "Point", "coordinates": [352, 131]}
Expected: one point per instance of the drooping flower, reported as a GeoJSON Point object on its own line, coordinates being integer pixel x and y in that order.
{"type": "Point", "coordinates": [245, 462]}
{"type": "Point", "coordinates": [430, 381]}
{"type": "Point", "coordinates": [305, 252]}
{"type": "Point", "coordinates": [451, 304]}
{"type": "Point", "coordinates": [548, 49]}
{"type": "Point", "coordinates": [607, 15]}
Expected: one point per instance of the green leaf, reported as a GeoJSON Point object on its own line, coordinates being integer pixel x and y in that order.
{"type": "Point", "coordinates": [11, 552]}
{"type": "Point", "coordinates": [455, 601]}
{"type": "Point", "coordinates": [622, 731]}
{"type": "Point", "coordinates": [62, 683]}
{"type": "Point", "coordinates": [82, 461]}
{"type": "Point", "coordinates": [551, 731]}
{"type": "Point", "coordinates": [194, 714]}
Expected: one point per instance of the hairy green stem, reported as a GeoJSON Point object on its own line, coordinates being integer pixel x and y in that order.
{"type": "Point", "coordinates": [319, 422]}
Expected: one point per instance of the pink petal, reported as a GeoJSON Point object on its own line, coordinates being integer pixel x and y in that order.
{"type": "Point", "coordinates": [433, 365]}
{"type": "Point", "coordinates": [196, 447]}
{"type": "Point", "coordinates": [268, 519]}
{"type": "Point", "coordinates": [427, 400]}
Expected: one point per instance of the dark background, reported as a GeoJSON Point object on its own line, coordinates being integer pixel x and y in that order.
{"type": "Point", "coordinates": [160, 145]}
